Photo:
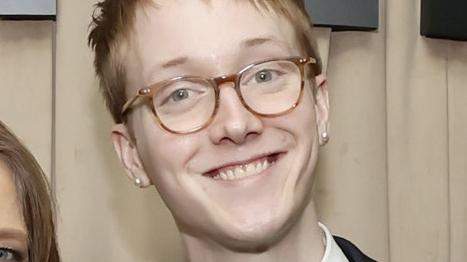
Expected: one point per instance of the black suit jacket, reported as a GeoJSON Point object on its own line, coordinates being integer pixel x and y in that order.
{"type": "Point", "coordinates": [352, 253]}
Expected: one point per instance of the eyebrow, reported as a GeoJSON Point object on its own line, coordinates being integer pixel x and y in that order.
{"type": "Point", "coordinates": [175, 62]}
{"type": "Point", "coordinates": [14, 234]}
{"type": "Point", "coordinates": [250, 42]}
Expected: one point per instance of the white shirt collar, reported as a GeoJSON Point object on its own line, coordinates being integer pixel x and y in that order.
{"type": "Point", "coordinates": [333, 252]}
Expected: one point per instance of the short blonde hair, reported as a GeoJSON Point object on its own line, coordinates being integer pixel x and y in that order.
{"type": "Point", "coordinates": [113, 21]}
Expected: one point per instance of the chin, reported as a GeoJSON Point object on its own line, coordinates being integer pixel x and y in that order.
{"type": "Point", "coordinates": [259, 232]}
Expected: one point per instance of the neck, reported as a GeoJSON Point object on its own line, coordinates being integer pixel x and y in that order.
{"type": "Point", "coordinates": [302, 243]}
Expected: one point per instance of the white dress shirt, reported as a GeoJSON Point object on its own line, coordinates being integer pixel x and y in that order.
{"type": "Point", "coordinates": [332, 252]}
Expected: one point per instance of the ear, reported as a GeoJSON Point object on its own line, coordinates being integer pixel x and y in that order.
{"type": "Point", "coordinates": [322, 109]}
{"type": "Point", "coordinates": [128, 155]}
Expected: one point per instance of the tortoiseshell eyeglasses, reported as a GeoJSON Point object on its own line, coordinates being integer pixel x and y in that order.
{"type": "Point", "coordinates": [187, 104]}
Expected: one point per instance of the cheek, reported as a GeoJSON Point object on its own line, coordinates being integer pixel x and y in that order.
{"type": "Point", "coordinates": [307, 109]}
{"type": "Point", "coordinates": [166, 154]}
{"type": "Point", "coordinates": [302, 120]}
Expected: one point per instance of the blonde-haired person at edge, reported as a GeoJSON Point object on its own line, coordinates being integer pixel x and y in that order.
{"type": "Point", "coordinates": [221, 106]}
{"type": "Point", "coordinates": [27, 229]}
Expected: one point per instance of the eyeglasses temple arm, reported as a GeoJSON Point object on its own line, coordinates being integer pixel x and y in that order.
{"type": "Point", "coordinates": [129, 103]}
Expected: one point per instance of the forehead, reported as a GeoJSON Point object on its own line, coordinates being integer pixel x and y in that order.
{"type": "Point", "coordinates": [210, 31]}
{"type": "Point", "coordinates": [10, 215]}
{"type": "Point", "coordinates": [205, 22]}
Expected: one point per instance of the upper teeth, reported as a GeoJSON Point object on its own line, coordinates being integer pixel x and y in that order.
{"type": "Point", "coordinates": [240, 171]}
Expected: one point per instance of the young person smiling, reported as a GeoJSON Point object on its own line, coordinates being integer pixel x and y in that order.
{"type": "Point", "coordinates": [221, 106]}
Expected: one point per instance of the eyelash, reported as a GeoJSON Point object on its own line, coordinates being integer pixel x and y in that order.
{"type": "Point", "coordinates": [16, 255]}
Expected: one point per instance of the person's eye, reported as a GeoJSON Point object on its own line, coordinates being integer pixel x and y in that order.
{"type": "Point", "coordinates": [180, 94]}
{"type": "Point", "coordinates": [173, 97]}
{"type": "Point", "coordinates": [264, 76]}
{"type": "Point", "coordinates": [7, 254]}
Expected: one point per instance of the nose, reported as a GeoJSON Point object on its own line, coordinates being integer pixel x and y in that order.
{"type": "Point", "coordinates": [233, 123]}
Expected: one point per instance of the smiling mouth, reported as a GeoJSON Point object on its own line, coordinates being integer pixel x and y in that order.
{"type": "Point", "coordinates": [242, 170]}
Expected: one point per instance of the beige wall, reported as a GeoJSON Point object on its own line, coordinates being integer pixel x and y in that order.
{"type": "Point", "coordinates": [26, 84]}
{"type": "Point", "coordinates": [392, 179]}
{"type": "Point", "coordinates": [457, 132]}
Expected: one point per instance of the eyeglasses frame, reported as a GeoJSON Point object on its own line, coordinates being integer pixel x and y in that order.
{"type": "Point", "coordinates": [152, 90]}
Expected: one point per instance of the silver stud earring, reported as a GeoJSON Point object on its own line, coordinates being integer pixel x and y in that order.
{"type": "Point", "coordinates": [324, 138]}
{"type": "Point", "coordinates": [138, 182]}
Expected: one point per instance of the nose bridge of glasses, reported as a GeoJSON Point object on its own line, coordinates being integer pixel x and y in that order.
{"type": "Point", "coordinates": [233, 78]}
{"type": "Point", "coordinates": [225, 79]}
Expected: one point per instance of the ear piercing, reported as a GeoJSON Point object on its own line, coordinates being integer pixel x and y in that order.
{"type": "Point", "coordinates": [324, 138]}
{"type": "Point", "coordinates": [138, 182]}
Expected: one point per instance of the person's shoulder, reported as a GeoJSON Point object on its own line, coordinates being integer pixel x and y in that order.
{"type": "Point", "coordinates": [352, 252]}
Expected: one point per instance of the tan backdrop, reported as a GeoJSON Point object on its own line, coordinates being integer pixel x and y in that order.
{"type": "Point", "coordinates": [392, 179]}
{"type": "Point", "coordinates": [26, 84]}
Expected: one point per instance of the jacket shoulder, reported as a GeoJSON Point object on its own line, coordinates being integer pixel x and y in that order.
{"type": "Point", "coordinates": [352, 252]}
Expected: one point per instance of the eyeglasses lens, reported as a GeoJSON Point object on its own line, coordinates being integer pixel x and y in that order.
{"type": "Point", "coordinates": [271, 88]}
{"type": "Point", "coordinates": [268, 88]}
{"type": "Point", "coordinates": [184, 105]}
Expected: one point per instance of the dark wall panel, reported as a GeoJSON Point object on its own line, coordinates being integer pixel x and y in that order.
{"type": "Point", "coordinates": [34, 9]}
{"type": "Point", "coordinates": [344, 14]}
{"type": "Point", "coordinates": [444, 19]}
